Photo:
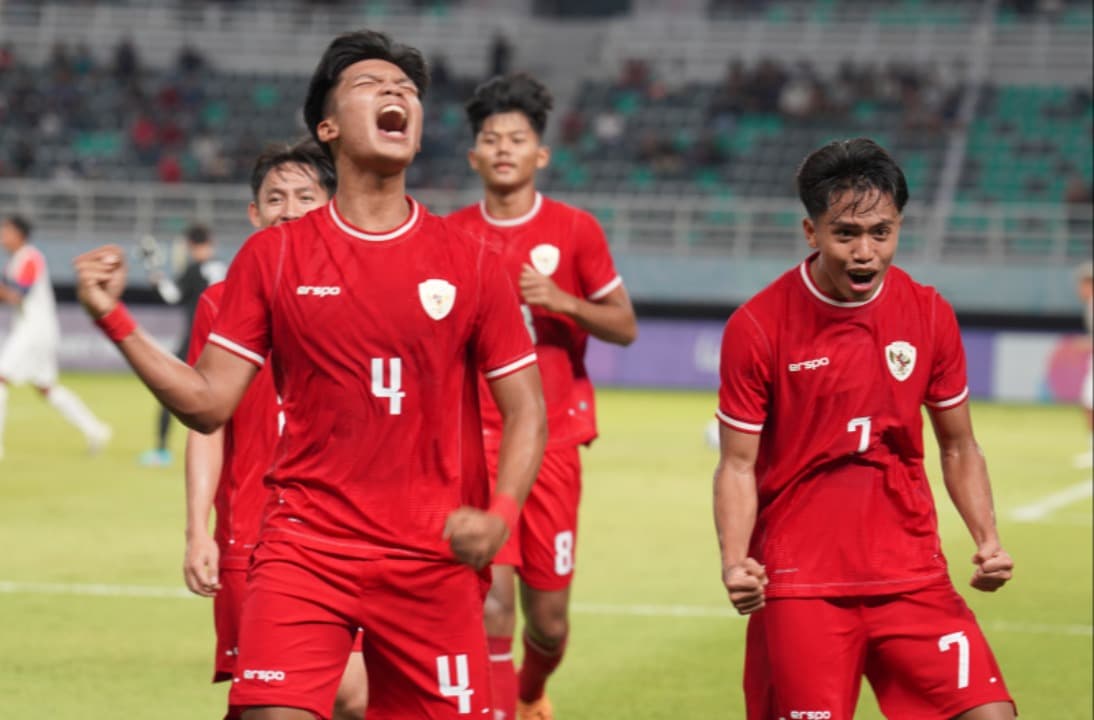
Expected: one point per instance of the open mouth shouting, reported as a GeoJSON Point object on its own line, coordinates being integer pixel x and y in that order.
{"type": "Point", "coordinates": [392, 121]}
{"type": "Point", "coordinates": [862, 281]}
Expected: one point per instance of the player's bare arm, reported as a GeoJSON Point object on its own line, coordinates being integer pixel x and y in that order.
{"type": "Point", "coordinates": [966, 476]}
{"type": "Point", "coordinates": [202, 397]}
{"type": "Point", "coordinates": [204, 458]}
{"type": "Point", "coordinates": [735, 504]}
{"type": "Point", "coordinates": [9, 295]}
{"type": "Point", "coordinates": [610, 318]}
{"type": "Point", "coordinates": [476, 536]}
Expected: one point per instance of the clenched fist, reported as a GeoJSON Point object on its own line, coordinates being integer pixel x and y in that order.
{"type": "Point", "coordinates": [100, 279]}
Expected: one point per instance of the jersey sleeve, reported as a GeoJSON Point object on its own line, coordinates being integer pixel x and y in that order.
{"type": "Point", "coordinates": [948, 385]}
{"type": "Point", "coordinates": [596, 271]}
{"type": "Point", "coordinates": [243, 325]}
{"type": "Point", "coordinates": [502, 343]}
{"type": "Point", "coordinates": [745, 372]}
{"type": "Point", "coordinates": [27, 272]}
{"type": "Point", "coordinates": [204, 316]}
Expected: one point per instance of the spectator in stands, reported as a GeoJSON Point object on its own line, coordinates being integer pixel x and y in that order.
{"type": "Point", "coordinates": [190, 60]}
{"type": "Point", "coordinates": [144, 136]}
{"type": "Point", "coordinates": [727, 103]}
{"type": "Point", "coordinates": [800, 96]}
{"type": "Point", "coordinates": [126, 63]}
{"type": "Point", "coordinates": [501, 55]}
{"type": "Point", "coordinates": [7, 57]}
{"type": "Point", "coordinates": [572, 127]}
{"type": "Point", "coordinates": [707, 152]}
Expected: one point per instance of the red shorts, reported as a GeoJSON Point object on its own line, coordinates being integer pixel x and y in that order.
{"type": "Point", "coordinates": [227, 609]}
{"type": "Point", "coordinates": [424, 643]}
{"type": "Point", "coordinates": [922, 652]}
{"type": "Point", "coordinates": [543, 551]}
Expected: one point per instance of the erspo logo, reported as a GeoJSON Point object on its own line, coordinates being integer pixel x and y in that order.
{"type": "Point", "coordinates": [319, 290]}
{"type": "Point", "coordinates": [807, 364]}
{"type": "Point", "coordinates": [265, 676]}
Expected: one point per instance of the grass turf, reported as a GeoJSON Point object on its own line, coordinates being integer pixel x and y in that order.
{"type": "Point", "coordinates": [652, 635]}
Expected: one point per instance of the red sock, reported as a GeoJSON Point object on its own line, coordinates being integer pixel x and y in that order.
{"type": "Point", "coordinates": [503, 676]}
{"type": "Point", "coordinates": [537, 667]}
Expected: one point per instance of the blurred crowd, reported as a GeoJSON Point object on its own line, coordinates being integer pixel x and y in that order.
{"type": "Point", "coordinates": [788, 93]}
{"type": "Point", "coordinates": [76, 117]}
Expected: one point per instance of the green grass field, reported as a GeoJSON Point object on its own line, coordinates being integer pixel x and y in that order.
{"type": "Point", "coordinates": [653, 638]}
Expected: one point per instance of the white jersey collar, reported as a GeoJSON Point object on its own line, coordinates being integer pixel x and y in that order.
{"type": "Point", "coordinates": [398, 232]}
{"type": "Point", "coordinates": [512, 222]}
{"type": "Point", "coordinates": [807, 278]}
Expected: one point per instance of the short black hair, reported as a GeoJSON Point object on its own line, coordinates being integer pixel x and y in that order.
{"type": "Point", "coordinates": [517, 92]}
{"type": "Point", "coordinates": [20, 223]}
{"type": "Point", "coordinates": [306, 153]}
{"type": "Point", "coordinates": [350, 48]}
{"type": "Point", "coordinates": [858, 165]}
{"type": "Point", "coordinates": [198, 235]}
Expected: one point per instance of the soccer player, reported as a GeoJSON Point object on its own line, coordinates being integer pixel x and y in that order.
{"type": "Point", "coordinates": [201, 271]}
{"type": "Point", "coordinates": [558, 258]}
{"type": "Point", "coordinates": [226, 467]}
{"type": "Point", "coordinates": [29, 354]}
{"type": "Point", "coordinates": [1085, 289]}
{"type": "Point", "coordinates": [824, 515]}
{"type": "Point", "coordinates": [378, 318]}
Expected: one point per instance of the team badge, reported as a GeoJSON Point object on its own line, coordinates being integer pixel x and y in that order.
{"type": "Point", "coordinates": [901, 358]}
{"type": "Point", "coordinates": [545, 258]}
{"type": "Point", "coordinates": [437, 296]}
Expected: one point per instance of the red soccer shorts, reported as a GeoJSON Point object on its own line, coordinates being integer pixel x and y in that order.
{"type": "Point", "coordinates": [922, 652]}
{"type": "Point", "coordinates": [543, 551]}
{"type": "Point", "coordinates": [424, 644]}
{"type": "Point", "coordinates": [227, 609]}
{"type": "Point", "coordinates": [227, 605]}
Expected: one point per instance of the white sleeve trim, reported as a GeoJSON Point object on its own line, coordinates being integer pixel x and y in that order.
{"type": "Point", "coordinates": [737, 424]}
{"type": "Point", "coordinates": [237, 349]}
{"type": "Point", "coordinates": [511, 367]}
{"type": "Point", "coordinates": [956, 400]}
{"type": "Point", "coordinates": [602, 292]}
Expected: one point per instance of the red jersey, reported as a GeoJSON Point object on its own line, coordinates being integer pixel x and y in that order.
{"type": "Point", "coordinates": [568, 245]}
{"type": "Point", "coordinates": [250, 437]}
{"type": "Point", "coordinates": [835, 391]}
{"type": "Point", "coordinates": [377, 342]}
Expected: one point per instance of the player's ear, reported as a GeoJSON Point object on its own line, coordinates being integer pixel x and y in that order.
{"type": "Point", "coordinates": [473, 159]}
{"type": "Point", "coordinates": [252, 215]}
{"type": "Point", "coordinates": [326, 130]}
{"type": "Point", "coordinates": [810, 231]}
{"type": "Point", "coordinates": [543, 157]}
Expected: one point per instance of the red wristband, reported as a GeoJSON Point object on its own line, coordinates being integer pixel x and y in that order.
{"type": "Point", "coordinates": [505, 507]}
{"type": "Point", "coordinates": [117, 324]}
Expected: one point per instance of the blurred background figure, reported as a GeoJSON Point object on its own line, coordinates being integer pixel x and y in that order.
{"type": "Point", "coordinates": [29, 354]}
{"type": "Point", "coordinates": [1085, 277]}
{"type": "Point", "coordinates": [202, 270]}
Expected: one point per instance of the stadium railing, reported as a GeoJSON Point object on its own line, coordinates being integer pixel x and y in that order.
{"type": "Point", "coordinates": [82, 214]}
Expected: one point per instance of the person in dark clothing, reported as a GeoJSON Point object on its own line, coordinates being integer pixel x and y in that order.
{"type": "Point", "coordinates": [201, 271]}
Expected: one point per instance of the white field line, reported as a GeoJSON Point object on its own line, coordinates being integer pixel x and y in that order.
{"type": "Point", "coordinates": [129, 591]}
{"type": "Point", "coordinates": [1045, 506]}
{"type": "Point", "coordinates": [8, 587]}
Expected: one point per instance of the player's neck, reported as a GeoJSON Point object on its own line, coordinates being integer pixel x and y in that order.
{"type": "Point", "coordinates": [372, 203]}
{"type": "Point", "coordinates": [509, 204]}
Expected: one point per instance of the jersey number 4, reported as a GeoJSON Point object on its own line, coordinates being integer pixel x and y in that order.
{"type": "Point", "coordinates": [458, 687]}
{"type": "Point", "coordinates": [392, 390]}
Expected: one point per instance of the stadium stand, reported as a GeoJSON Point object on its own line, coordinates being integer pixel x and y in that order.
{"type": "Point", "coordinates": [679, 130]}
